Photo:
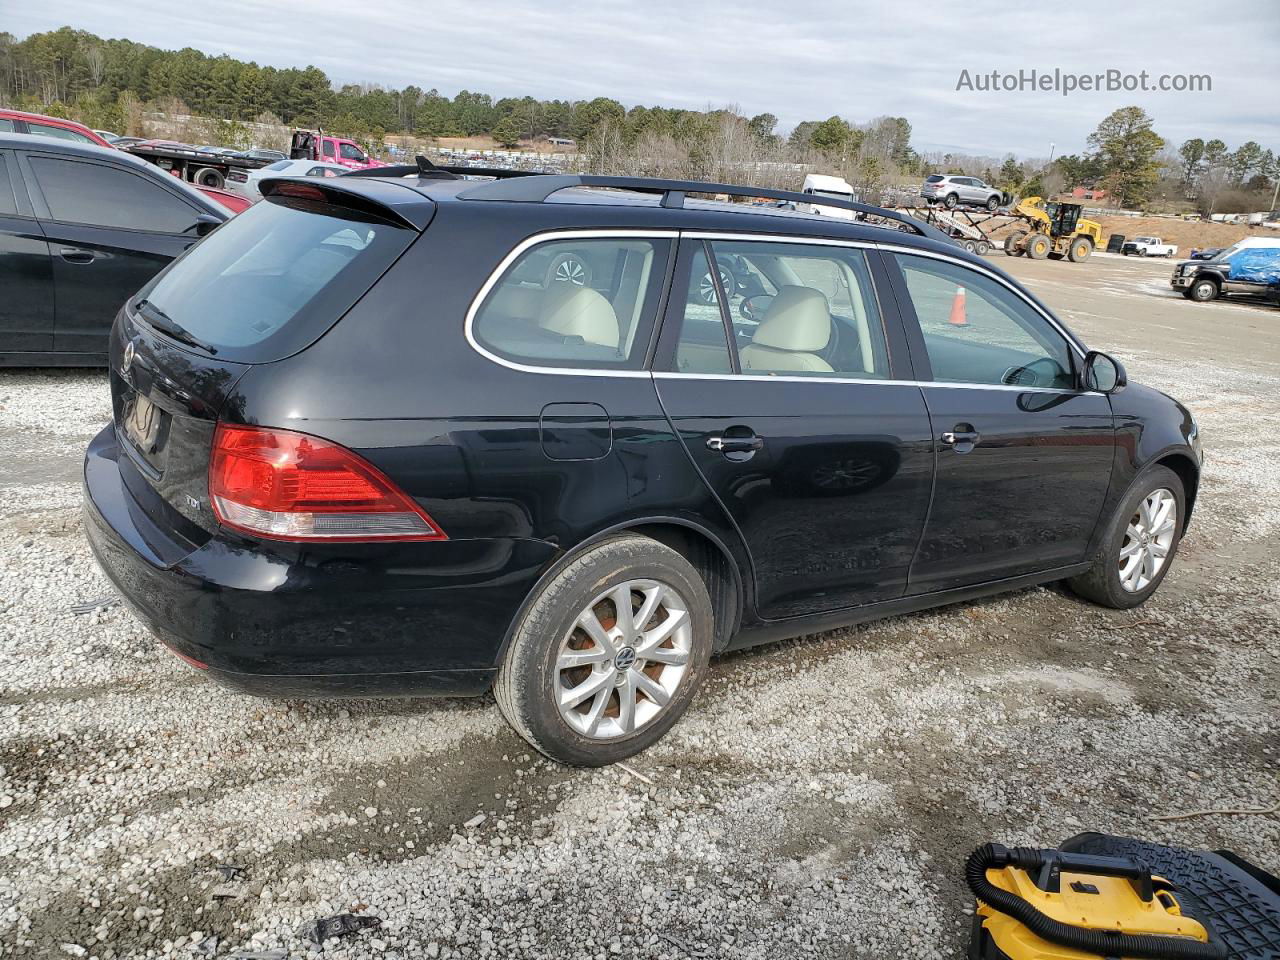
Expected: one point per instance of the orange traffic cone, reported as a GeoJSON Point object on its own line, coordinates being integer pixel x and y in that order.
{"type": "Point", "coordinates": [957, 318]}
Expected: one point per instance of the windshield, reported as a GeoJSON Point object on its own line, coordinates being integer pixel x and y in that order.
{"type": "Point", "coordinates": [270, 281]}
{"type": "Point", "coordinates": [833, 193]}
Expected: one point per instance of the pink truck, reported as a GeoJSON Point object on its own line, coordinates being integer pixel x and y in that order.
{"type": "Point", "coordinates": [318, 145]}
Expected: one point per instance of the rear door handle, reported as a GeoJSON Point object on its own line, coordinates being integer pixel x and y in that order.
{"type": "Point", "coordinates": [76, 255]}
{"type": "Point", "coordinates": [735, 444]}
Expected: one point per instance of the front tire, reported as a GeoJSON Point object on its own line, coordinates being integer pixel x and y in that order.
{"type": "Point", "coordinates": [588, 687]}
{"type": "Point", "coordinates": [1038, 247]}
{"type": "Point", "coordinates": [993, 204]}
{"type": "Point", "coordinates": [1202, 291]}
{"type": "Point", "coordinates": [1139, 545]}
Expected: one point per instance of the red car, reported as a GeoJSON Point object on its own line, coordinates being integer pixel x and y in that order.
{"type": "Point", "coordinates": [18, 121]}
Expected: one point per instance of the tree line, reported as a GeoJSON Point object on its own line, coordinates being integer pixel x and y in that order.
{"type": "Point", "coordinates": [106, 82]}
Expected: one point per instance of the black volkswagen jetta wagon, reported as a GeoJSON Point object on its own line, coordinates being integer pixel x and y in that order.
{"type": "Point", "coordinates": [416, 434]}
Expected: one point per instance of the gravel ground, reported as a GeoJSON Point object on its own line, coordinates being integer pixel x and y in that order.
{"type": "Point", "coordinates": [817, 801]}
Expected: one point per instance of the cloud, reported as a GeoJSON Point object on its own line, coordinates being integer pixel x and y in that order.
{"type": "Point", "coordinates": [807, 59]}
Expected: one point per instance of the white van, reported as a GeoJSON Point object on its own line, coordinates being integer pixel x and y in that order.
{"type": "Point", "coordinates": [821, 185]}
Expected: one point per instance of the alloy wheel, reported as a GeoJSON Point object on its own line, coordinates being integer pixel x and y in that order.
{"type": "Point", "coordinates": [572, 271]}
{"type": "Point", "coordinates": [623, 659]}
{"type": "Point", "coordinates": [1148, 540]}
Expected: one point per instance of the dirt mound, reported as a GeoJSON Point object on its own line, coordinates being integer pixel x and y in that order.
{"type": "Point", "coordinates": [1185, 233]}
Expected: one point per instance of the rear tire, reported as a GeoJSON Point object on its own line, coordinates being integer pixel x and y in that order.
{"type": "Point", "coordinates": [1104, 583]}
{"type": "Point", "coordinates": [534, 681]}
{"type": "Point", "coordinates": [951, 201]}
{"type": "Point", "coordinates": [209, 177]}
{"type": "Point", "coordinates": [983, 248]}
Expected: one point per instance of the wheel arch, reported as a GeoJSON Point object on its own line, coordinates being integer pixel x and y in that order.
{"type": "Point", "coordinates": [726, 582]}
{"type": "Point", "coordinates": [1185, 467]}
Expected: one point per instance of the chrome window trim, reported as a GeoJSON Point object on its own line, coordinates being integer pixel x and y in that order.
{"type": "Point", "coordinates": [520, 248]}
{"type": "Point", "coordinates": [767, 378]}
{"type": "Point", "coordinates": [624, 233]}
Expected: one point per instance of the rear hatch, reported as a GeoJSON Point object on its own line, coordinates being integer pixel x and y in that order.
{"type": "Point", "coordinates": [260, 288]}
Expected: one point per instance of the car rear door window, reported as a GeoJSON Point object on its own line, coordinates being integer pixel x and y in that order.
{"type": "Point", "coordinates": [703, 344]}
{"type": "Point", "coordinates": [978, 331]}
{"type": "Point", "coordinates": [795, 309]}
{"type": "Point", "coordinates": [577, 303]}
{"type": "Point", "coordinates": [7, 203]}
{"type": "Point", "coordinates": [95, 194]}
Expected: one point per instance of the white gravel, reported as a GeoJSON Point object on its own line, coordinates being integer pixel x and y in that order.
{"type": "Point", "coordinates": [818, 800]}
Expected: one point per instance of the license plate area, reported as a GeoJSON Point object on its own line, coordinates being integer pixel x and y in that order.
{"type": "Point", "coordinates": [146, 427]}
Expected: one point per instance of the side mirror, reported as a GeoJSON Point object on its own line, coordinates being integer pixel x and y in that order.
{"type": "Point", "coordinates": [753, 309]}
{"type": "Point", "coordinates": [1103, 373]}
{"type": "Point", "coordinates": [205, 224]}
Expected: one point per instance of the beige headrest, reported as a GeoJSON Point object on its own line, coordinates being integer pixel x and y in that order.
{"type": "Point", "coordinates": [798, 319]}
{"type": "Point", "coordinates": [574, 311]}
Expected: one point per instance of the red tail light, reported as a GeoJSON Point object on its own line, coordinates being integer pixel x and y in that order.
{"type": "Point", "coordinates": [291, 486]}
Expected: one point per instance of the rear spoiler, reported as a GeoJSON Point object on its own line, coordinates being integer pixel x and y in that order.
{"type": "Point", "coordinates": [383, 200]}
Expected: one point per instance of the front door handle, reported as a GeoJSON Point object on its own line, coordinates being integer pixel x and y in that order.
{"type": "Point", "coordinates": [76, 255]}
{"type": "Point", "coordinates": [962, 437]}
{"type": "Point", "coordinates": [748, 444]}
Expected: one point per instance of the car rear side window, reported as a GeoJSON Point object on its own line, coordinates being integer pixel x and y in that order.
{"type": "Point", "coordinates": [578, 303]}
{"type": "Point", "coordinates": [98, 195]}
{"type": "Point", "coordinates": [274, 278]}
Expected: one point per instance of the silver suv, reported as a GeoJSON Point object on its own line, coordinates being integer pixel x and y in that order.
{"type": "Point", "coordinates": [956, 190]}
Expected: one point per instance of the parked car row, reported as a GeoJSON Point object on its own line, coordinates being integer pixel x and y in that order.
{"type": "Point", "coordinates": [423, 435]}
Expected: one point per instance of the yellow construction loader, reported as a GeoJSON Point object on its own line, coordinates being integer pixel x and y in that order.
{"type": "Point", "coordinates": [1056, 230]}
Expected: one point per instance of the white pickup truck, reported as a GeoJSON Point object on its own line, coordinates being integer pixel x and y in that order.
{"type": "Point", "coordinates": [1148, 247]}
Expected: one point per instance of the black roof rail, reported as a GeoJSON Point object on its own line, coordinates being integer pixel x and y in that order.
{"type": "Point", "coordinates": [536, 189]}
{"type": "Point", "coordinates": [434, 171]}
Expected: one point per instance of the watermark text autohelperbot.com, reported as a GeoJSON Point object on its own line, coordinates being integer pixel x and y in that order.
{"type": "Point", "coordinates": [1065, 83]}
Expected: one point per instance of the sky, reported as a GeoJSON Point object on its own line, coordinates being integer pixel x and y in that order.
{"type": "Point", "coordinates": [804, 59]}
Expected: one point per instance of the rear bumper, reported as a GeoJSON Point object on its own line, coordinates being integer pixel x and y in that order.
{"type": "Point", "coordinates": [396, 619]}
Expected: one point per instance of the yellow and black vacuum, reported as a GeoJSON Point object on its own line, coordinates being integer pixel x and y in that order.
{"type": "Point", "coordinates": [1100, 896]}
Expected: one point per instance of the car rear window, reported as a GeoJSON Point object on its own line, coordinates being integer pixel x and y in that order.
{"type": "Point", "coordinates": [271, 280]}
{"type": "Point", "coordinates": [935, 178]}
{"type": "Point", "coordinates": [278, 165]}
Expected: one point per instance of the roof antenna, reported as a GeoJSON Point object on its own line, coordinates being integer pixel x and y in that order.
{"type": "Point", "coordinates": [428, 169]}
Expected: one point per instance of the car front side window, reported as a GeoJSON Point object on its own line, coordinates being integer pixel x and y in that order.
{"type": "Point", "coordinates": [99, 195]}
{"type": "Point", "coordinates": [62, 133]}
{"type": "Point", "coordinates": [977, 331]}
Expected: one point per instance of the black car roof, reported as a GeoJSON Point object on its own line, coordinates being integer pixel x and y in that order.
{"type": "Point", "coordinates": [35, 143]}
{"type": "Point", "coordinates": [589, 206]}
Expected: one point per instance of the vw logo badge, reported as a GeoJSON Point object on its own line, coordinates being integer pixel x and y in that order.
{"type": "Point", "coordinates": [625, 658]}
{"type": "Point", "coordinates": [127, 360]}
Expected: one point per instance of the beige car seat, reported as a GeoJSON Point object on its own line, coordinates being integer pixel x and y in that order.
{"type": "Point", "coordinates": [573, 311]}
{"type": "Point", "coordinates": [797, 323]}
